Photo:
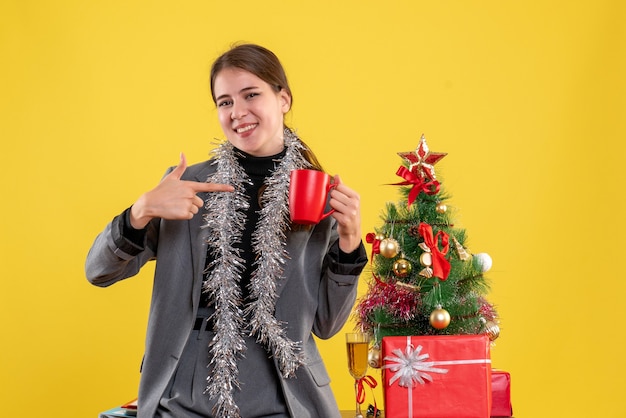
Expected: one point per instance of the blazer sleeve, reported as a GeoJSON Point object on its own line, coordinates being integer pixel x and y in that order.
{"type": "Point", "coordinates": [337, 293]}
{"type": "Point", "coordinates": [114, 256]}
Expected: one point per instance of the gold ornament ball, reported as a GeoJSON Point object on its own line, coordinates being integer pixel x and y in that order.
{"type": "Point", "coordinates": [492, 330]}
{"type": "Point", "coordinates": [441, 208]}
{"type": "Point", "coordinates": [439, 318]}
{"type": "Point", "coordinates": [402, 267]}
{"type": "Point", "coordinates": [373, 357]}
{"type": "Point", "coordinates": [389, 248]}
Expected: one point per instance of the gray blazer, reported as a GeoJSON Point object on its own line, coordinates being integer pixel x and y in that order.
{"type": "Point", "coordinates": [316, 296]}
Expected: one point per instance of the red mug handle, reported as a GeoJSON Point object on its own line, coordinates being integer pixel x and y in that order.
{"type": "Point", "coordinates": [330, 212]}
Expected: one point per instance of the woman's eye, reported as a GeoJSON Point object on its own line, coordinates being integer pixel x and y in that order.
{"type": "Point", "coordinates": [224, 103]}
{"type": "Point", "coordinates": [251, 95]}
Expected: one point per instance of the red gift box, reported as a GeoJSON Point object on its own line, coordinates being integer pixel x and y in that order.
{"type": "Point", "coordinates": [447, 376]}
{"type": "Point", "coordinates": [501, 394]}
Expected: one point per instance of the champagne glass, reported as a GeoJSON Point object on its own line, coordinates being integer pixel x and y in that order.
{"type": "Point", "coordinates": [357, 344]}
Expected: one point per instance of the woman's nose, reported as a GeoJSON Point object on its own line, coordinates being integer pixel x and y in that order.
{"type": "Point", "coordinates": [238, 111]}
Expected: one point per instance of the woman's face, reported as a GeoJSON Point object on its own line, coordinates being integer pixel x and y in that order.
{"type": "Point", "coordinates": [250, 111]}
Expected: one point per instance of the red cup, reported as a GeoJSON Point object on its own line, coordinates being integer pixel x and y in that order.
{"type": "Point", "coordinates": [308, 193]}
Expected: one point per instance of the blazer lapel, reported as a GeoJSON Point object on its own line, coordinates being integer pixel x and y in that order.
{"type": "Point", "coordinates": [199, 236]}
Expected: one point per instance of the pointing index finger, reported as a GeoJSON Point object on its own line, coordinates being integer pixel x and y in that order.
{"type": "Point", "coordinates": [211, 187]}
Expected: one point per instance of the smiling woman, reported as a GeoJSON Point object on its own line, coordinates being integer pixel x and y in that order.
{"type": "Point", "coordinates": [261, 289]}
{"type": "Point", "coordinates": [251, 112]}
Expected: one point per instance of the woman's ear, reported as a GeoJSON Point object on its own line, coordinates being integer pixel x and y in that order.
{"type": "Point", "coordinates": [285, 100]}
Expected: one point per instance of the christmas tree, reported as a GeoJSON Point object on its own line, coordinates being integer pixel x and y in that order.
{"type": "Point", "coordinates": [425, 281]}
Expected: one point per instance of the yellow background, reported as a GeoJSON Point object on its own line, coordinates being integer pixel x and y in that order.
{"type": "Point", "coordinates": [528, 99]}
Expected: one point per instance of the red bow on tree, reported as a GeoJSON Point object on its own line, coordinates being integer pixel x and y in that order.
{"type": "Point", "coordinates": [371, 239]}
{"type": "Point", "coordinates": [419, 185]}
{"type": "Point", "coordinates": [441, 266]}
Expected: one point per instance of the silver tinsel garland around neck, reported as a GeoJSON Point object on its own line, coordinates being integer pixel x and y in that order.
{"type": "Point", "coordinates": [226, 221]}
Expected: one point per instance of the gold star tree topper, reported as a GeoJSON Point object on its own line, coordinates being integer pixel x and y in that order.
{"type": "Point", "coordinates": [421, 161]}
